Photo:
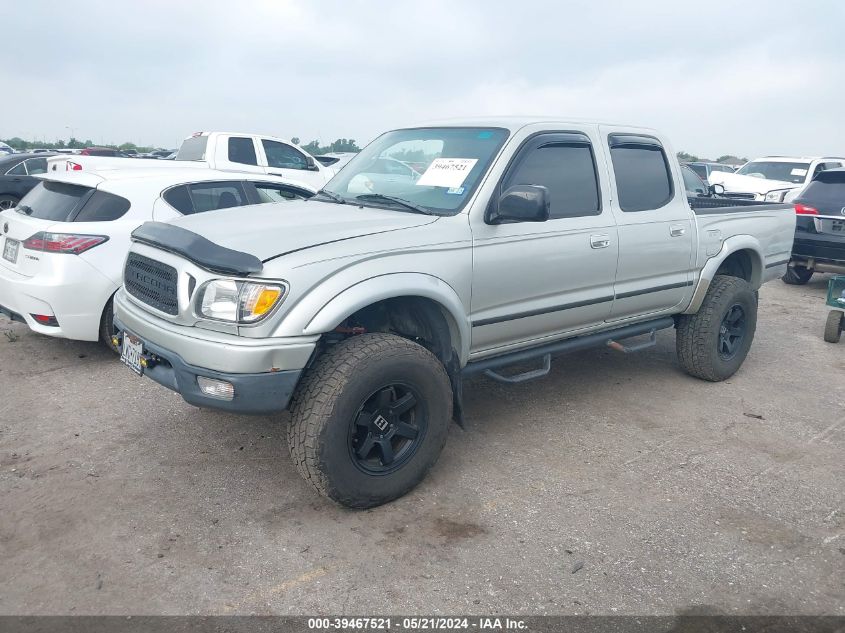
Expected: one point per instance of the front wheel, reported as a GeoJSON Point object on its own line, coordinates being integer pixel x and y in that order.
{"type": "Point", "coordinates": [369, 419]}
{"type": "Point", "coordinates": [797, 275]}
{"type": "Point", "coordinates": [712, 343]}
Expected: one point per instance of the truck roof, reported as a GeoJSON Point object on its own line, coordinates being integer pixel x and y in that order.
{"type": "Point", "coordinates": [515, 122]}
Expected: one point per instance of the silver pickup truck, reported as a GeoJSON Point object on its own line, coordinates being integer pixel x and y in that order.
{"type": "Point", "coordinates": [508, 241]}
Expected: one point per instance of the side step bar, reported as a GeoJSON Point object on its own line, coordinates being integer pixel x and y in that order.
{"type": "Point", "coordinates": [607, 338]}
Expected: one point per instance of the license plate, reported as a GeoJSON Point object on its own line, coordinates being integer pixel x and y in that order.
{"type": "Point", "coordinates": [10, 250]}
{"type": "Point", "coordinates": [830, 225]}
{"type": "Point", "coordinates": [130, 355]}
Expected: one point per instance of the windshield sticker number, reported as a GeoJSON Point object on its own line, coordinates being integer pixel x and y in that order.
{"type": "Point", "coordinates": [447, 172]}
{"type": "Point", "coordinates": [798, 172]}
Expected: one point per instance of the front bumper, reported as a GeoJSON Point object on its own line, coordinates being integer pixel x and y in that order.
{"type": "Point", "coordinates": [254, 393]}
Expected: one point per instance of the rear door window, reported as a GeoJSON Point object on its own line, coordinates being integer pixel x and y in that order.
{"type": "Point", "coordinates": [180, 199]}
{"type": "Point", "coordinates": [209, 196]}
{"type": "Point", "coordinates": [242, 150]}
{"type": "Point", "coordinates": [56, 201]}
{"type": "Point", "coordinates": [643, 178]}
{"type": "Point", "coordinates": [701, 170]}
{"type": "Point", "coordinates": [102, 207]}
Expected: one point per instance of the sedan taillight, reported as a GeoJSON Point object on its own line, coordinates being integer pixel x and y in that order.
{"type": "Point", "coordinates": [68, 243]}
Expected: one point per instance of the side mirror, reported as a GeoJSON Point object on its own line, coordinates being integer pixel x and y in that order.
{"type": "Point", "coordinates": [521, 203]}
{"type": "Point", "coordinates": [311, 164]}
{"type": "Point", "coordinates": [716, 190]}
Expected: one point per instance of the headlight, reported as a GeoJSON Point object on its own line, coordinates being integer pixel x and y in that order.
{"type": "Point", "coordinates": [776, 196]}
{"type": "Point", "coordinates": [238, 301]}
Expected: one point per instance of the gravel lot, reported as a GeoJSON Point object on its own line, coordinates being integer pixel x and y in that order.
{"type": "Point", "coordinates": [616, 485]}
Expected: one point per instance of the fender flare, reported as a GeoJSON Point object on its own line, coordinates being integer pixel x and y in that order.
{"type": "Point", "coordinates": [708, 271]}
{"type": "Point", "coordinates": [390, 286]}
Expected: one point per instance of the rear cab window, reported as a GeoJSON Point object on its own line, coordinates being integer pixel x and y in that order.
{"type": "Point", "coordinates": [193, 148]}
{"type": "Point", "coordinates": [643, 177]}
{"type": "Point", "coordinates": [242, 150]}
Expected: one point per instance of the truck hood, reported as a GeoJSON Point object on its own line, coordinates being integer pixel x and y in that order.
{"type": "Point", "coordinates": [748, 184]}
{"type": "Point", "coordinates": [270, 230]}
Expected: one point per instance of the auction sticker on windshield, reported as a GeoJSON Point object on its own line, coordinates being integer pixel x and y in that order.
{"type": "Point", "coordinates": [447, 172]}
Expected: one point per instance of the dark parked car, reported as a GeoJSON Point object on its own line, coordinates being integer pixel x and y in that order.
{"type": "Point", "coordinates": [16, 176]}
{"type": "Point", "coordinates": [820, 229]}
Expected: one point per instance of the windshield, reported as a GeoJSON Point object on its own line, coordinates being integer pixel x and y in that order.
{"type": "Point", "coordinates": [192, 148]}
{"type": "Point", "coordinates": [771, 170]}
{"type": "Point", "coordinates": [50, 200]}
{"type": "Point", "coordinates": [436, 169]}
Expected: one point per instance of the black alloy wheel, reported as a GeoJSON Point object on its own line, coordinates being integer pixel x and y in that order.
{"type": "Point", "coordinates": [387, 429]}
{"type": "Point", "coordinates": [732, 332]}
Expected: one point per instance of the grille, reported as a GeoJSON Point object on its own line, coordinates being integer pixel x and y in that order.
{"type": "Point", "coordinates": [152, 282]}
{"type": "Point", "coordinates": [739, 195]}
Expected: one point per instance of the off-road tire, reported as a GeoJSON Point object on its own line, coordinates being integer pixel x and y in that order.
{"type": "Point", "coordinates": [7, 202]}
{"type": "Point", "coordinates": [833, 326]}
{"type": "Point", "coordinates": [698, 335]}
{"type": "Point", "coordinates": [797, 275]}
{"type": "Point", "coordinates": [333, 390]}
{"type": "Point", "coordinates": [107, 326]}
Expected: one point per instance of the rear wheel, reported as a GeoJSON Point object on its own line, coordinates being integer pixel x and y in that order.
{"type": "Point", "coordinates": [797, 275]}
{"type": "Point", "coordinates": [107, 326]}
{"type": "Point", "coordinates": [7, 202]}
{"type": "Point", "coordinates": [833, 326]}
{"type": "Point", "coordinates": [369, 419]}
{"type": "Point", "coordinates": [713, 343]}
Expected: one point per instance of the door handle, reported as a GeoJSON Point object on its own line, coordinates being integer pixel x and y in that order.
{"type": "Point", "coordinates": [677, 231]}
{"type": "Point", "coordinates": [599, 241]}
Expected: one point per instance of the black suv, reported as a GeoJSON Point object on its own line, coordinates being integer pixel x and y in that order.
{"type": "Point", "coordinates": [820, 230]}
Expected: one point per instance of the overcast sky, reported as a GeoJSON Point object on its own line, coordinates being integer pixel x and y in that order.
{"type": "Point", "coordinates": [739, 76]}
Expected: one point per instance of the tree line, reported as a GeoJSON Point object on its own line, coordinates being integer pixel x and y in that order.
{"type": "Point", "coordinates": [684, 157]}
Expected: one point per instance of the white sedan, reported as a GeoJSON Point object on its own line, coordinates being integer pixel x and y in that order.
{"type": "Point", "coordinates": [62, 248]}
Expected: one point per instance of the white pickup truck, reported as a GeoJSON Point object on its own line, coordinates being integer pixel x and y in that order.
{"type": "Point", "coordinates": [363, 309]}
{"type": "Point", "coordinates": [224, 151]}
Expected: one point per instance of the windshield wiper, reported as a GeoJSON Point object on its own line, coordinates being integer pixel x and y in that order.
{"type": "Point", "coordinates": [405, 203]}
{"type": "Point", "coordinates": [22, 208]}
{"type": "Point", "coordinates": [331, 196]}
